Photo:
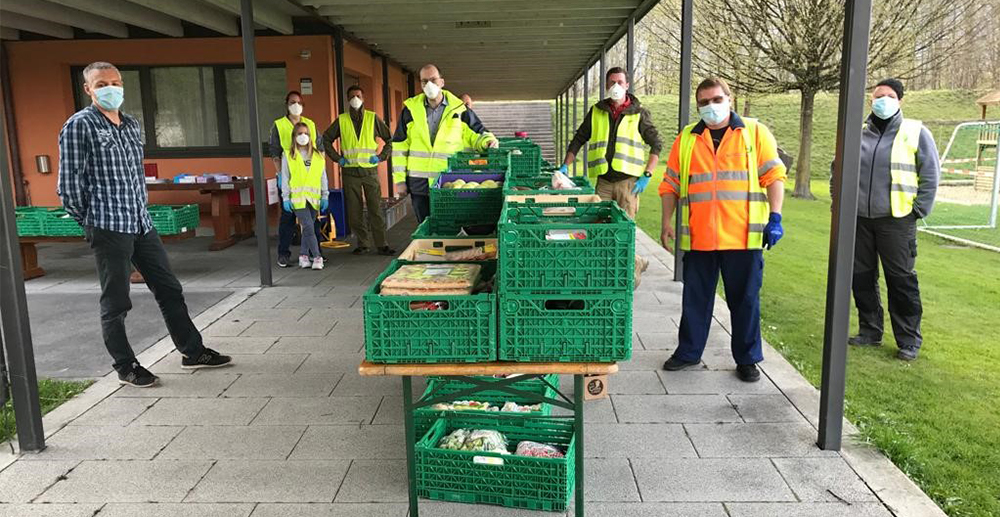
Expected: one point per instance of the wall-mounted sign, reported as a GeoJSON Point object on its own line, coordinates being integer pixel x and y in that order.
{"type": "Point", "coordinates": [306, 86]}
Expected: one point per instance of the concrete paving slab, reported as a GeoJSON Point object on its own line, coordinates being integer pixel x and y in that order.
{"type": "Point", "coordinates": [374, 481]}
{"type": "Point", "coordinates": [26, 480]}
{"type": "Point", "coordinates": [277, 315]}
{"type": "Point", "coordinates": [707, 382]}
{"type": "Point", "coordinates": [233, 443]}
{"type": "Point", "coordinates": [637, 441]}
{"type": "Point", "coordinates": [679, 409]}
{"type": "Point", "coordinates": [718, 359]}
{"type": "Point", "coordinates": [242, 363]}
{"type": "Point", "coordinates": [179, 385]}
{"type": "Point", "coordinates": [80, 442]}
{"type": "Point", "coordinates": [180, 412]}
{"type": "Point", "coordinates": [824, 480]}
{"type": "Point", "coordinates": [240, 345]}
{"type": "Point", "coordinates": [652, 321]}
{"type": "Point", "coordinates": [49, 510]}
{"type": "Point", "coordinates": [636, 383]}
{"type": "Point", "coordinates": [340, 300]}
{"type": "Point", "coordinates": [270, 481]}
{"type": "Point", "coordinates": [227, 327]}
{"type": "Point", "coordinates": [658, 340]}
{"type": "Point", "coordinates": [600, 411]}
{"type": "Point", "coordinates": [319, 411]}
{"type": "Point", "coordinates": [115, 411]}
{"type": "Point", "coordinates": [296, 385]}
{"type": "Point", "coordinates": [354, 385]}
{"type": "Point", "coordinates": [655, 510]}
{"type": "Point", "coordinates": [127, 482]}
{"type": "Point", "coordinates": [806, 510]}
{"type": "Point", "coordinates": [332, 345]}
{"type": "Point", "coordinates": [330, 442]}
{"type": "Point", "coordinates": [708, 480]}
{"type": "Point", "coordinates": [610, 480]}
{"type": "Point", "coordinates": [790, 439]}
{"type": "Point", "coordinates": [332, 510]}
{"type": "Point", "coordinates": [329, 364]}
{"type": "Point", "coordinates": [176, 510]}
{"type": "Point", "coordinates": [298, 328]}
{"type": "Point", "coordinates": [642, 360]}
{"type": "Point", "coordinates": [765, 408]}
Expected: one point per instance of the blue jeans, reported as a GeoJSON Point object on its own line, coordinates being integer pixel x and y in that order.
{"type": "Point", "coordinates": [742, 275]}
{"type": "Point", "coordinates": [287, 227]}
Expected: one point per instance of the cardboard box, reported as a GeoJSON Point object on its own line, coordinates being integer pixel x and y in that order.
{"type": "Point", "coordinates": [595, 387]}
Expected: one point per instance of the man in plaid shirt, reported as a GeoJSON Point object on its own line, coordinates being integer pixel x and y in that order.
{"type": "Point", "coordinates": [102, 186]}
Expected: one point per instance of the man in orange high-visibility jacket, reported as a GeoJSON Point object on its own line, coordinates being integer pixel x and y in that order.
{"type": "Point", "coordinates": [726, 173]}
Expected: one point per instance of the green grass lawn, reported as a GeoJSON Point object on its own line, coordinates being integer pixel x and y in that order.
{"type": "Point", "coordinates": [938, 418]}
{"type": "Point", "coordinates": [51, 392]}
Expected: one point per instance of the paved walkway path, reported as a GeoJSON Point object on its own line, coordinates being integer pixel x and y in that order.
{"type": "Point", "coordinates": [293, 430]}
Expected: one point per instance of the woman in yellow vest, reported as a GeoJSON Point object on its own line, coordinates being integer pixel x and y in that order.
{"type": "Point", "coordinates": [304, 190]}
{"type": "Point", "coordinates": [281, 140]}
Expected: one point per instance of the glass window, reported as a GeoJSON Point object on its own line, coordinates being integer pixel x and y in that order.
{"type": "Point", "coordinates": [185, 107]}
{"type": "Point", "coordinates": [133, 95]}
{"type": "Point", "coordinates": [271, 90]}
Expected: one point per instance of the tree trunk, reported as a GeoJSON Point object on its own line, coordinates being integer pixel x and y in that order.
{"type": "Point", "coordinates": [802, 189]}
{"type": "Point", "coordinates": [746, 106]}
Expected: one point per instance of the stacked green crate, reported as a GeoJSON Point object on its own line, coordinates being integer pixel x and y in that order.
{"type": "Point", "coordinates": [440, 386]}
{"type": "Point", "coordinates": [435, 227]}
{"type": "Point", "coordinates": [543, 185]}
{"type": "Point", "coordinates": [173, 220]}
{"type": "Point", "coordinates": [565, 282]}
{"type": "Point", "coordinates": [453, 199]}
{"type": "Point", "coordinates": [58, 223]}
{"type": "Point", "coordinates": [29, 220]}
{"type": "Point", "coordinates": [525, 157]}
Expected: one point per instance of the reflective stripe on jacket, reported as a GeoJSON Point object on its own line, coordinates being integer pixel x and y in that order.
{"type": "Point", "coordinates": [630, 151]}
{"type": "Point", "coordinates": [285, 129]}
{"type": "Point", "coordinates": [305, 185]}
{"type": "Point", "coordinates": [358, 149]}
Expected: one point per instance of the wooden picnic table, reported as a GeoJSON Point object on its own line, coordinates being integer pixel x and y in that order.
{"type": "Point", "coordinates": [29, 251]}
{"type": "Point", "coordinates": [222, 210]}
{"type": "Point", "coordinates": [463, 372]}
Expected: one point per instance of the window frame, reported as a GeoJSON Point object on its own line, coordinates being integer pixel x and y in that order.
{"type": "Point", "coordinates": [226, 148]}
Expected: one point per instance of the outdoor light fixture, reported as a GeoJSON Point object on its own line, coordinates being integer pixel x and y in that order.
{"type": "Point", "coordinates": [42, 164]}
{"type": "Point", "coordinates": [305, 54]}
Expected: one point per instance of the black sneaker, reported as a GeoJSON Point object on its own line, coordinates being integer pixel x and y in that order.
{"type": "Point", "coordinates": [674, 364]}
{"type": "Point", "coordinates": [863, 340]}
{"type": "Point", "coordinates": [283, 260]}
{"type": "Point", "coordinates": [748, 372]}
{"type": "Point", "coordinates": [137, 377]}
{"type": "Point", "coordinates": [907, 353]}
{"type": "Point", "coordinates": [361, 250]}
{"type": "Point", "coordinates": [387, 251]}
{"type": "Point", "coordinates": [208, 359]}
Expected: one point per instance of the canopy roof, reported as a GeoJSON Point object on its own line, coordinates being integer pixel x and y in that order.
{"type": "Point", "coordinates": [990, 99]}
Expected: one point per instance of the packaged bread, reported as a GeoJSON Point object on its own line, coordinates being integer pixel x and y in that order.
{"type": "Point", "coordinates": [432, 279]}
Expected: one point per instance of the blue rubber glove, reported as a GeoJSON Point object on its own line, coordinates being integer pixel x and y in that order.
{"type": "Point", "coordinates": [564, 169]}
{"type": "Point", "coordinates": [323, 205]}
{"type": "Point", "coordinates": [640, 185]}
{"type": "Point", "coordinates": [773, 232]}
{"type": "Point", "coordinates": [373, 160]}
{"type": "Point", "coordinates": [342, 162]}
{"type": "Point", "coordinates": [287, 205]}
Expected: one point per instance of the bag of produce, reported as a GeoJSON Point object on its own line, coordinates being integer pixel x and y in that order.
{"type": "Point", "coordinates": [538, 450]}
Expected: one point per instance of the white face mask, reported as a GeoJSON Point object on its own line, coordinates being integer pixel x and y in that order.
{"type": "Point", "coordinates": [714, 113]}
{"type": "Point", "coordinates": [616, 92]}
{"type": "Point", "coordinates": [432, 90]}
{"type": "Point", "coordinates": [302, 139]}
{"type": "Point", "coordinates": [295, 109]}
{"type": "Point", "coordinates": [356, 102]}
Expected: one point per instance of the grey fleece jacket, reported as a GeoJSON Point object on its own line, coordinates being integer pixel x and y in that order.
{"type": "Point", "coordinates": [876, 150]}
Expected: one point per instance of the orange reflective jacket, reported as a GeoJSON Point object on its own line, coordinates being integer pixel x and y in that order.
{"type": "Point", "coordinates": [718, 195]}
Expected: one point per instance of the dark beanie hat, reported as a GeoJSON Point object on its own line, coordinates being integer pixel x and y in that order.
{"type": "Point", "coordinates": [895, 84]}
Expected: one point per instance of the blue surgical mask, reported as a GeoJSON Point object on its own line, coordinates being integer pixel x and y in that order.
{"type": "Point", "coordinates": [885, 107]}
{"type": "Point", "coordinates": [110, 97]}
{"type": "Point", "coordinates": [714, 113]}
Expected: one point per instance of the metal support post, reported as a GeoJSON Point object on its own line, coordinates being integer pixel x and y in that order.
{"type": "Point", "coordinates": [15, 329]}
{"type": "Point", "coordinates": [572, 130]}
{"type": "Point", "coordinates": [565, 122]}
{"type": "Point", "coordinates": [604, 72]}
{"type": "Point", "coordinates": [256, 158]}
{"type": "Point", "coordinates": [846, 170]}
{"type": "Point", "coordinates": [683, 113]}
{"type": "Point", "coordinates": [578, 387]}
{"type": "Point", "coordinates": [586, 106]}
{"type": "Point", "coordinates": [387, 116]}
{"type": "Point", "coordinates": [630, 53]}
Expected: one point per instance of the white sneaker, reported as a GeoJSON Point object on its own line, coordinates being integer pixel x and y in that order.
{"type": "Point", "coordinates": [304, 261]}
{"type": "Point", "coordinates": [317, 263]}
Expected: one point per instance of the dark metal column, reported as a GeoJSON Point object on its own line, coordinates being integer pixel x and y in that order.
{"type": "Point", "coordinates": [846, 170]}
{"type": "Point", "coordinates": [565, 122]}
{"type": "Point", "coordinates": [683, 112]}
{"type": "Point", "coordinates": [259, 185]}
{"type": "Point", "coordinates": [387, 116]}
{"type": "Point", "coordinates": [338, 67]}
{"type": "Point", "coordinates": [558, 129]}
{"type": "Point", "coordinates": [410, 88]}
{"type": "Point", "coordinates": [15, 329]}
{"type": "Point", "coordinates": [13, 144]}
{"type": "Point", "coordinates": [586, 107]}
{"type": "Point", "coordinates": [630, 53]}
{"type": "Point", "coordinates": [604, 71]}
{"type": "Point", "coordinates": [572, 129]}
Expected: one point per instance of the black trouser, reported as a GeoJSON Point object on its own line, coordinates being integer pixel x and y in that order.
{"type": "Point", "coordinates": [894, 242]}
{"type": "Point", "coordinates": [421, 206]}
{"type": "Point", "coordinates": [116, 253]}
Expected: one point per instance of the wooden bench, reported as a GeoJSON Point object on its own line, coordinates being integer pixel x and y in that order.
{"type": "Point", "coordinates": [29, 251]}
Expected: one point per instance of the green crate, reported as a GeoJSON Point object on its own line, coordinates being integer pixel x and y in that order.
{"type": "Point", "coordinates": [425, 417]}
{"type": "Point", "coordinates": [439, 228]}
{"type": "Point", "coordinates": [525, 157]}
{"type": "Point", "coordinates": [566, 327]}
{"type": "Point", "coordinates": [492, 160]}
{"type": "Point", "coordinates": [543, 185]}
{"type": "Point", "coordinates": [604, 261]}
{"type": "Point", "coordinates": [58, 223]}
{"type": "Point", "coordinates": [465, 332]}
{"type": "Point", "coordinates": [29, 220]}
{"type": "Point", "coordinates": [516, 482]}
{"type": "Point", "coordinates": [467, 205]}
{"type": "Point", "coordinates": [174, 219]}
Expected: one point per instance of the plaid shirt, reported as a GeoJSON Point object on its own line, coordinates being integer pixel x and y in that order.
{"type": "Point", "coordinates": [101, 179]}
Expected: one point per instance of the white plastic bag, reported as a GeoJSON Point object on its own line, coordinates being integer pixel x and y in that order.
{"type": "Point", "coordinates": [561, 181]}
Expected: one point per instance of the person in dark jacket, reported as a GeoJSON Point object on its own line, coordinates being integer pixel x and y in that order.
{"type": "Point", "coordinates": [617, 128]}
{"type": "Point", "coordinates": [900, 170]}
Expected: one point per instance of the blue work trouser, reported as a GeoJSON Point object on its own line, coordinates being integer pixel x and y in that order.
{"type": "Point", "coordinates": [742, 274]}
